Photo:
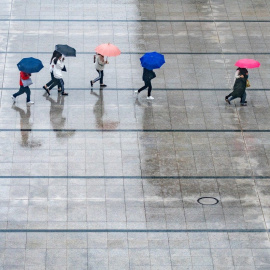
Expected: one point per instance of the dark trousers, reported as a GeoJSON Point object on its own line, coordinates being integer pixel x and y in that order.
{"type": "Point", "coordinates": [25, 90]}
{"type": "Point", "coordinates": [61, 81]}
{"type": "Point", "coordinates": [146, 84]}
{"type": "Point", "coordinates": [100, 76]}
{"type": "Point", "coordinates": [243, 98]}
{"type": "Point", "coordinates": [53, 82]}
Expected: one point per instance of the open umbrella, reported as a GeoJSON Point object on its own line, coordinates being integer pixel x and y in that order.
{"type": "Point", "coordinates": [247, 63]}
{"type": "Point", "coordinates": [152, 60]}
{"type": "Point", "coordinates": [66, 50]}
{"type": "Point", "coordinates": [30, 65]}
{"type": "Point", "coordinates": [108, 49]}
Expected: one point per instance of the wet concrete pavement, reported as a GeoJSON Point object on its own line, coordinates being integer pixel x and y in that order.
{"type": "Point", "coordinates": [102, 179]}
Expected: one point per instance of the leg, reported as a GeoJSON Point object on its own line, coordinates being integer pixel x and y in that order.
{"type": "Point", "coordinates": [97, 78]}
{"type": "Point", "coordinates": [51, 81]}
{"type": "Point", "coordinates": [243, 98]}
{"type": "Point", "coordinates": [63, 87]}
{"type": "Point", "coordinates": [55, 82]}
{"type": "Point", "coordinates": [28, 93]}
{"type": "Point", "coordinates": [20, 92]}
{"type": "Point", "coordinates": [226, 97]}
{"type": "Point", "coordinates": [142, 88]}
{"type": "Point", "coordinates": [231, 98]}
{"type": "Point", "coordinates": [101, 76]}
{"type": "Point", "coordinates": [59, 86]}
{"type": "Point", "coordinates": [149, 88]}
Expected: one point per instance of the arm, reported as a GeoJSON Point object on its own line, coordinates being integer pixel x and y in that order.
{"type": "Point", "coordinates": [60, 64]}
{"type": "Point", "coordinates": [236, 75]}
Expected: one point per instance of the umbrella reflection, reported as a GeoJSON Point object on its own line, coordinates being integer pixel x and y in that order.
{"type": "Point", "coordinates": [99, 113]}
{"type": "Point", "coordinates": [26, 127]}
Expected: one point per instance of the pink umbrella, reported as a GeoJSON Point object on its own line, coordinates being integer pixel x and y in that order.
{"type": "Point", "coordinates": [108, 49]}
{"type": "Point", "coordinates": [247, 63]}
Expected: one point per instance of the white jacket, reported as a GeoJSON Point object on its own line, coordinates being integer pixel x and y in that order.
{"type": "Point", "coordinates": [99, 63]}
{"type": "Point", "coordinates": [51, 66]}
{"type": "Point", "coordinates": [57, 69]}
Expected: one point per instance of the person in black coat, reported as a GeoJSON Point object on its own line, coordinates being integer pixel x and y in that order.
{"type": "Point", "coordinates": [148, 75]}
{"type": "Point", "coordinates": [239, 88]}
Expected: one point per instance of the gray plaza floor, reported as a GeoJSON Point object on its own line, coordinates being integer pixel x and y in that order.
{"type": "Point", "coordinates": [104, 179]}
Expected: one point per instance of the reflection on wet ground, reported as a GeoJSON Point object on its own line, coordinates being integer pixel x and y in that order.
{"type": "Point", "coordinates": [105, 179]}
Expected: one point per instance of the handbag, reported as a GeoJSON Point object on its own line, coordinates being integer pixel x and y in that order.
{"type": "Point", "coordinates": [64, 68]}
{"type": "Point", "coordinates": [27, 82]}
{"type": "Point", "coordinates": [248, 83]}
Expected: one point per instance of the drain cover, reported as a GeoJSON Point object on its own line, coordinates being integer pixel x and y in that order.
{"type": "Point", "coordinates": [208, 200]}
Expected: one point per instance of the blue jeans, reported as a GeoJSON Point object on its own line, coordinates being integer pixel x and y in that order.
{"type": "Point", "coordinates": [243, 98]}
{"type": "Point", "coordinates": [23, 90]}
{"type": "Point", "coordinates": [100, 76]}
{"type": "Point", "coordinates": [61, 81]}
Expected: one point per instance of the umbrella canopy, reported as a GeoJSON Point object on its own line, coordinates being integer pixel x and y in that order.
{"type": "Point", "coordinates": [152, 60]}
{"type": "Point", "coordinates": [30, 65]}
{"type": "Point", "coordinates": [247, 63]}
{"type": "Point", "coordinates": [108, 49]}
{"type": "Point", "coordinates": [66, 50]}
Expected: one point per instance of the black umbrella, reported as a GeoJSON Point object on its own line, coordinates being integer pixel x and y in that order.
{"type": "Point", "coordinates": [66, 50]}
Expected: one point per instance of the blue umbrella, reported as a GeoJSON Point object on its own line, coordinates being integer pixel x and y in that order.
{"type": "Point", "coordinates": [152, 60]}
{"type": "Point", "coordinates": [30, 65]}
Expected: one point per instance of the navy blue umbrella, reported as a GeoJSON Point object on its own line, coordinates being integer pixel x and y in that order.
{"type": "Point", "coordinates": [152, 60]}
{"type": "Point", "coordinates": [66, 50]}
{"type": "Point", "coordinates": [30, 65]}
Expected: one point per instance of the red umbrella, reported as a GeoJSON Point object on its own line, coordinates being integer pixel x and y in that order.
{"type": "Point", "coordinates": [247, 63]}
{"type": "Point", "coordinates": [108, 49]}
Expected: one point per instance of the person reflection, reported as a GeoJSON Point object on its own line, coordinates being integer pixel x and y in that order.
{"type": "Point", "coordinates": [99, 112]}
{"type": "Point", "coordinates": [26, 127]}
{"type": "Point", "coordinates": [57, 120]}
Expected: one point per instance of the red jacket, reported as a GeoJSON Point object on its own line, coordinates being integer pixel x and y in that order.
{"type": "Point", "coordinates": [24, 76]}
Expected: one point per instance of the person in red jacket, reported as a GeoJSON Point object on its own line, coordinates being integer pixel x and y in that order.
{"type": "Point", "coordinates": [23, 89]}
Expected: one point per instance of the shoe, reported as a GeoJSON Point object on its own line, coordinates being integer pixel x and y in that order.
{"type": "Point", "coordinates": [47, 90]}
{"type": "Point", "coordinates": [64, 94]}
{"type": "Point", "coordinates": [244, 104]}
{"type": "Point", "coordinates": [227, 100]}
{"type": "Point", "coordinates": [59, 91]}
{"type": "Point", "coordinates": [13, 98]}
{"type": "Point", "coordinates": [103, 85]}
{"type": "Point", "coordinates": [136, 92]}
{"type": "Point", "coordinates": [30, 102]}
{"type": "Point", "coordinates": [150, 97]}
{"type": "Point", "coordinates": [91, 82]}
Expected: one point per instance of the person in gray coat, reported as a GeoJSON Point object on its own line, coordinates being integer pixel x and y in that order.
{"type": "Point", "coordinates": [99, 64]}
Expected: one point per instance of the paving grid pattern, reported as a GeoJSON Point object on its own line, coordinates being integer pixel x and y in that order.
{"type": "Point", "coordinates": [74, 197]}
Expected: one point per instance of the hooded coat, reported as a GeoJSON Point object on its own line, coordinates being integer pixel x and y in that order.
{"type": "Point", "coordinates": [239, 87]}
{"type": "Point", "coordinates": [148, 75]}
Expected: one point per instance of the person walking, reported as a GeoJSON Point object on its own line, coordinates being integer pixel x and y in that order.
{"type": "Point", "coordinates": [148, 75]}
{"type": "Point", "coordinates": [57, 72]}
{"type": "Point", "coordinates": [238, 73]}
{"type": "Point", "coordinates": [239, 88]}
{"type": "Point", "coordinates": [100, 64]}
{"type": "Point", "coordinates": [53, 82]}
{"type": "Point", "coordinates": [25, 81]}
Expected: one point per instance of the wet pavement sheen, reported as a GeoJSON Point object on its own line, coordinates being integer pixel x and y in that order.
{"type": "Point", "coordinates": [103, 179]}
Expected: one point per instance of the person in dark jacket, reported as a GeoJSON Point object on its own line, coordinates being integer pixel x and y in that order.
{"type": "Point", "coordinates": [239, 88]}
{"type": "Point", "coordinates": [148, 75]}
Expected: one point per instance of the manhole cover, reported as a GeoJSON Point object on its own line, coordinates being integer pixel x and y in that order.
{"type": "Point", "coordinates": [208, 200]}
